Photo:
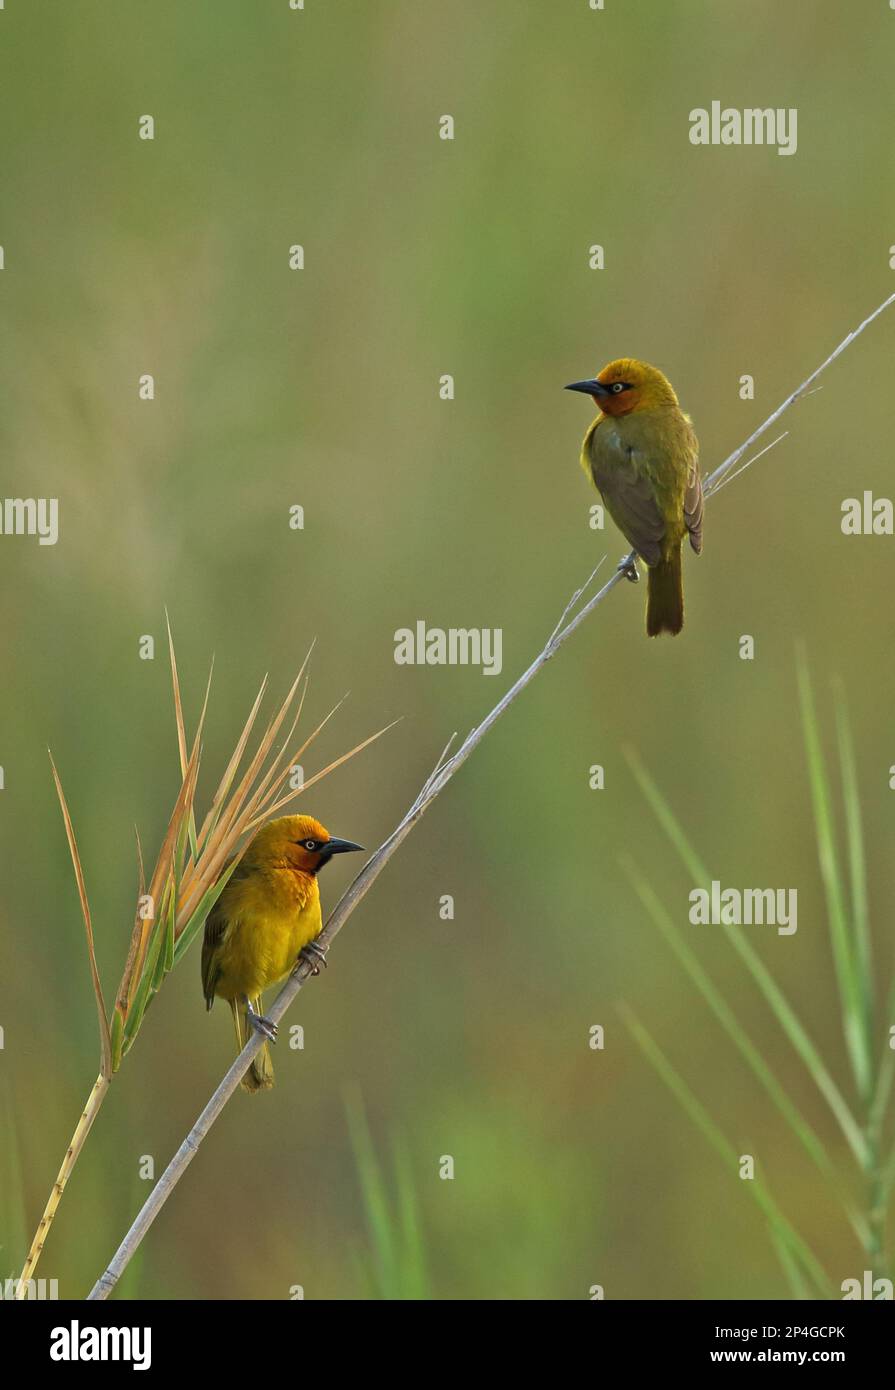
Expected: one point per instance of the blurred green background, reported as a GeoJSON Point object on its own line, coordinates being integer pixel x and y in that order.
{"type": "Point", "coordinates": [320, 388]}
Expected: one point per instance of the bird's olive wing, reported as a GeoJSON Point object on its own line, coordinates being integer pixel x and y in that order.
{"type": "Point", "coordinates": [693, 507]}
{"type": "Point", "coordinates": [217, 927]}
{"type": "Point", "coordinates": [631, 501]}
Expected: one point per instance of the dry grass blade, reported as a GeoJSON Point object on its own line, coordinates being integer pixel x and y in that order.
{"type": "Point", "coordinates": [229, 819]}
{"type": "Point", "coordinates": [261, 753]}
{"type": "Point", "coordinates": [230, 771]}
{"type": "Point", "coordinates": [105, 1038]}
{"type": "Point", "coordinates": [247, 809]}
{"type": "Point", "coordinates": [271, 808]}
{"type": "Point", "coordinates": [141, 882]}
{"type": "Point", "coordinates": [119, 1012]}
{"type": "Point", "coordinates": [238, 814]}
{"type": "Point", "coordinates": [266, 793]}
{"type": "Point", "coordinates": [143, 926]}
{"type": "Point", "coordinates": [281, 757]}
{"type": "Point", "coordinates": [178, 703]}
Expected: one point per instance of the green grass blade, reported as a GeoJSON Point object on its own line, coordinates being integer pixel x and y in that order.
{"type": "Point", "coordinates": [748, 1051]}
{"type": "Point", "coordinates": [150, 979]}
{"type": "Point", "coordinates": [140, 1003]}
{"type": "Point", "coordinates": [888, 1177]}
{"type": "Point", "coordinates": [379, 1220]}
{"type": "Point", "coordinates": [168, 955]}
{"type": "Point", "coordinates": [790, 1266]}
{"type": "Point", "coordinates": [158, 952]}
{"type": "Point", "coordinates": [414, 1276]}
{"type": "Point", "coordinates": [845, 951]}
{"type": "Point", "coordinates": [857, 860]}
{"type": "Point", "coordinates": [668, 821]}
{"type": "Point", "coordinates": [773, 995]}
{"type": "Point", "coordinates": [783, 1228]}
{"type": "Point", "coordinates": [884, 1077]}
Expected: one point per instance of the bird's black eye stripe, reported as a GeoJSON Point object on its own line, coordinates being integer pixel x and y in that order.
{"type": "Point", "coordinates": [308, 844]}
{"type": "Point", "coordinates": [620, 386]}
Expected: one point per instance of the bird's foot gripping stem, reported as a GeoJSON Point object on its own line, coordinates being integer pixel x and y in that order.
{"type": "Point", "coordinates": [627, 566]}
{"type": "Point", "coordinates": [313, 955]}
{"type": "Point", "coordinates": [265, 1026]}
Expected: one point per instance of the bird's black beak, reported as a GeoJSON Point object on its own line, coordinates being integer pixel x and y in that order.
{"type": "Point", "coordinates": [336, 846]}
{"type": "Point", "coordinates": [590, 388]}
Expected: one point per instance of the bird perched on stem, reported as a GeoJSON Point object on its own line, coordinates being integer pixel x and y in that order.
{"type": "Point", "coordinates": [267, 916]}
{"type": "Point", "coordinates": [642, 455]}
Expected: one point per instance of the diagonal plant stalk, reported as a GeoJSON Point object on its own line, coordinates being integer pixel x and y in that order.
{"type": "Point", "coordinates": [190, 874]}
{"type": "Point", "coordinates": [850, 946]}
{"type": "Point", "coordinates": [569, 623]}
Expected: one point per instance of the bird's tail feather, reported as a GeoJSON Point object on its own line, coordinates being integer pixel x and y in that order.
{"type": "Point", "coordinates": [259, 1076]}
{"type": "Point", "coordinates": [665, 596]}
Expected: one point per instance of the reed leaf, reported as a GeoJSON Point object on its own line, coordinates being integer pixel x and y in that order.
{"type": "Point", "coordinates": [747, 1049]}
{"type": "Point", "coordinates": [780, 1225]}
{"type": "Point", "coordinates": [105, 1037]}
{"type": "Point", "coordinates": [852, 981]}
{"type": "Point", "coordinates": [395, 1266]}
{"type": "Point", "coordinates": [767, 985]}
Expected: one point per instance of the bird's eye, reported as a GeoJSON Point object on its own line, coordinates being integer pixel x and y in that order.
{"type": "Point", "coordinates": [618, 386]}
{"type": "Point", "coordinates": [310, 844]}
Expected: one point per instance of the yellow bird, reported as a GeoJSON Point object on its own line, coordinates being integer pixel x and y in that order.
{"type": "Point", "coordinates": [267, 916]}
{"type": "Point", "coordinates": [642, 456]}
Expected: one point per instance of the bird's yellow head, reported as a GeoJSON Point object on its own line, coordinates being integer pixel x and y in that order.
{"type": "Point", "coordinates": [625, 385]}
{"type": "Point", "coordinates": [295, 842]}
